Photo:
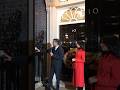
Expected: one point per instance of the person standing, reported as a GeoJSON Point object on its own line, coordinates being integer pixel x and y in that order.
{"type": "Point", "coordinates": [57, 54]}
{"type": "Point", "coordinates": [108, 76]}
{"type": "Point", "coordinates": [78, 66]}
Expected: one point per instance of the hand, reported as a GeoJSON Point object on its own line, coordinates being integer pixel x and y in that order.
{"type": "Point", "coordinates": [73, 60]}
{"type": "Point", "coordinates": [37, 49]}
{"type": "Point", "coordinates": [92, 80]}
{"type": "Point", "coordinates": [8, 58]}
{"type": "Point", "coordinates": [51, 53]}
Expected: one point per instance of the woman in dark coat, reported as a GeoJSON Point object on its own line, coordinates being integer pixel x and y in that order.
{"type": "Point", "coordinates": [108, 77]}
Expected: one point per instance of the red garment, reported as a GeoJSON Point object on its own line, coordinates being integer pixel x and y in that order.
{"type": "Point", "coordinates": [78, 68]}
{"type": "Point", "coordinates": [108, 73]}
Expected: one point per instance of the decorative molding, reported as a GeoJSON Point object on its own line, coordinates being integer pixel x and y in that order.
{"type": "Point", "coordinates": [73, 14]}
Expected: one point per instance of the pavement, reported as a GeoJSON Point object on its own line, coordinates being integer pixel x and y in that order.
{"type": "Point", "coordinates": [63, 86]}
{"type": "Point", "coordinates": [42, 88]}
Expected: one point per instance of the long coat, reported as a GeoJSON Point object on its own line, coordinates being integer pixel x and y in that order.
{"type": "Point", "coordinates": [78, 68]}
{"type": "Point", "coordinates": [108, 73]}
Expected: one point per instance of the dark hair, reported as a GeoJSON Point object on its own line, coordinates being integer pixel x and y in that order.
{"type": "Point", "coordinates": [113, 44]}
{"type": "Point", "coordinates": [82, 44]}
{"type": "Point", "coordinates": [57, 41]}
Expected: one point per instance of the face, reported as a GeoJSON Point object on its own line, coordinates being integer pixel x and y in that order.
{"type": "Point", "coordinates": [104, 47]}
{"type": "Point", "coordinates": [55, 43]}
{"type": "Point", "coordinates": [78, 46]}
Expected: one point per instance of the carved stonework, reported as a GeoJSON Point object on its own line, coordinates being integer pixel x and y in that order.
{"type": "Point", "coordinates": [73, 14]}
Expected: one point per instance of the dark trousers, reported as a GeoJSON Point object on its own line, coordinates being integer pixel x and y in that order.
{"type": "Point", "coordinates": [11, 77]}
{"type": "Point", "coordinates": [39, 67]}
{"type": "Point", "coordinates": [55, 69]}
{"type": "Point", "coordinates": [80, 88]}
{"type": "Point", "coordinates": [8, 77]}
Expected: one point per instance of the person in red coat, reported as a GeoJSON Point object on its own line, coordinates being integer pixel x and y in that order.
{"type": "Point", "coordinates": [78, 67]}
{"type": "Point", "coordinates": [108, 77]}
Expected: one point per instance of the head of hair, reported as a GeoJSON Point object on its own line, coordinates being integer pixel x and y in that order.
{"type": "Point", "coordinates": [113, 44]}
{"type": "Point", "coordinates": [57, 41]}
{"type": "Point", "coordinates": [82, 44]}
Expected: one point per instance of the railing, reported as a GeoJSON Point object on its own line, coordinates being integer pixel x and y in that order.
{"type": "Point", "coordinates": [16, 77]}
{"type": "Point", "coordinates": [9, 76]}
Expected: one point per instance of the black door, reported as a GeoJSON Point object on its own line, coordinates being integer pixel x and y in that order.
{"type": "Point", "coordinates": [69, 34]}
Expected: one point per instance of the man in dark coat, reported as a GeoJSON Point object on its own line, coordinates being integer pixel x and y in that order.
{"type": "Point", "coordinates": [57, 54]}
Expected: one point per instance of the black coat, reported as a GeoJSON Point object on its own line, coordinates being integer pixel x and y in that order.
{"type": "Point", "coordinates": [58, 54]}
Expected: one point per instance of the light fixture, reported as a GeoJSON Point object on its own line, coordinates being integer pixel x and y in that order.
{"type": "Point", "coordinates": [63, 0]}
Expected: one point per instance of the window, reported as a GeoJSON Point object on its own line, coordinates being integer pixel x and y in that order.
{"type": "Point", "coordinates": [73, 14]}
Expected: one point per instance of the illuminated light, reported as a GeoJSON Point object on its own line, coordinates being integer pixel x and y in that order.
{"type": "Point", "coordinates": [70, 42]}
{"type": "Point", "coordinates": [66, 35]}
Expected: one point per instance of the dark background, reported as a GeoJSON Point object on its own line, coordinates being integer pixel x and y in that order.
{"type": "Point", "coordinates": [102, 18]}
{"type": "Point", "coordinates": [14, 40]}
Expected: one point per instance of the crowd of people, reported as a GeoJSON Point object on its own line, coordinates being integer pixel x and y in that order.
{"type": "Point", "coordinates": [107, 75]}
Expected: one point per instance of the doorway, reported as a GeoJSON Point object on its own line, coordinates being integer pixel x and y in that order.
{"type": "Point", "coordinates": [72, 32]}
{"type": "Point", "coordinates": [69, 34]}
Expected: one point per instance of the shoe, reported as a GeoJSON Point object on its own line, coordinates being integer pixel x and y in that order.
{"type": "Point", "coordinates": [38, 85]}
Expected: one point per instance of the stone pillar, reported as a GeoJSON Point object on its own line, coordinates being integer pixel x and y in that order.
{"type": "Point", "coordinates": [52, 25]}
